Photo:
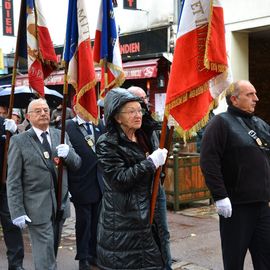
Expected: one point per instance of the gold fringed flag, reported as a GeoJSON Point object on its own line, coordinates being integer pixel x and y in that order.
{"type": "Point", "coordinates": [199, 70]}
{"type": "Point", "coordinates": [107, 49]}
{"type": "Point", "coordinates": [78, 55]}
{"type": "Point", "coordinates": [42, 60]}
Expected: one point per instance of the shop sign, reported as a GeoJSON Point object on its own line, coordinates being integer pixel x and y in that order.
{"type": "Point", "coordinates": [7, 17]}
{"type": "Point", "coordinates": [130, 4]}
{"type": "Point", "coordinates": [143, 43]}
{"type": "Point", "coordinates": [133, 70]}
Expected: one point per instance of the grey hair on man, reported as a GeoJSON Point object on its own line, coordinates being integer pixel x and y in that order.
{"type": "Point", "coordinates": [138, 92]}
{"type": "Point", "coordinates": [233, 90]}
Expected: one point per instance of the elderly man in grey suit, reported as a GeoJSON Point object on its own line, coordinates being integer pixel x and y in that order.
{"type": "Point", "coordinates": [31, 181]}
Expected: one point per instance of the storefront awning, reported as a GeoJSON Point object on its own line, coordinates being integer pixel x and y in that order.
{"type": "Point", "coordinates": [142, 69]}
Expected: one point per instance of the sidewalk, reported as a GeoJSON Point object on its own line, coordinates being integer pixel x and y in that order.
{"type": "Point", "coordinates": [195, 242]}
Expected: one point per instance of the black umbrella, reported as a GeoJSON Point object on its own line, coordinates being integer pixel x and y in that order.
{"type": "Point", "coordinates": [24, 94]}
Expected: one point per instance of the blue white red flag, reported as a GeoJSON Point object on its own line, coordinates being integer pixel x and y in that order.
{"type": "Point", "coordinates": [35, 43]}
{"type": "Point", "coordinates": [199, 70]}
{"type": "Point", "coordinates": [107, 49]}
{"type": "Point", "coordinates": [78, 56]}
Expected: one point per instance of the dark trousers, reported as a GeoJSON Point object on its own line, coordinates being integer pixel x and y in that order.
{"type": "Point", "coordinates": [86, 230]}
{"type": "Point", "coordinates": [247, 229]}
{"type": "Point", "coordinates": [12, 234]}
{"type": "Point", "coordinates": [162, 224]}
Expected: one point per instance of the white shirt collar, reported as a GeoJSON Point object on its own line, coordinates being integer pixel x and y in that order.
{"type": "Point", "coordinates": [39, 131]}
{"type": "Point", "coordinates": [81, 121]}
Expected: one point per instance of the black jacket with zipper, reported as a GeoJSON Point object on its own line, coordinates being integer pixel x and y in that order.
{"type": "Point", "coordinates": [125, 238]}
{"type": "Point", "coordinates": [233, 164]}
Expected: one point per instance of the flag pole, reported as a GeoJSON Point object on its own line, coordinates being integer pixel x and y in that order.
{"type": "Point", "coordinates": [158, 172]}
{"type": "Point", "coordinates": [105, 76]}
{"type": "Point", "coordinates": [62, 139]}
{"type": "Point", "coordinates": [168, 147]}
{"type": "Point", "coordinates": [59, 210]}
{"type": "Point", "coordinates": [11, 99]}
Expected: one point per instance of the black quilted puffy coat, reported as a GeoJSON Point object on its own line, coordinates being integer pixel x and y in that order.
{"type": "Point", "coordinates": [125, 239]}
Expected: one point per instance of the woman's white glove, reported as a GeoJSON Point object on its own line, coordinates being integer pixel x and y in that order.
{"type": "Point", "coordinates": [10, 125]}
{"type": "Point", "coordinates": [224, 207]}
{"type": "Point", "coordinates": [21, 221]}
{"type": "Point", "coordinates": [159, 157]}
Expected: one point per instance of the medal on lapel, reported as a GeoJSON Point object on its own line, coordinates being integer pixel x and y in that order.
{"type": "Point", "coordinates": [259, 142]}
{"type": "Point", "coordinates": [46, 155]}
{"type": "Point", "coordinates": [89, 140]}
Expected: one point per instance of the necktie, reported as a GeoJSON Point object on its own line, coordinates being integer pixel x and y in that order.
{"type": "Point", "coordinates": [88, 129]}
{"type": "Point", "coordinates": [45, 143]}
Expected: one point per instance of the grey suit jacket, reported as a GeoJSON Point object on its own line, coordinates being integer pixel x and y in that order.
{"type": "Point", "coordinates": [30, 186]}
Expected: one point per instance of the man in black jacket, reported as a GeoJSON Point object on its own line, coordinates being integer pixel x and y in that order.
{"type": "Point", "coordinates": [86, 187]}
{"type": "Point", "coordinates": [12, 234]}
{"type": "Point", "coordinates": [236, 165]}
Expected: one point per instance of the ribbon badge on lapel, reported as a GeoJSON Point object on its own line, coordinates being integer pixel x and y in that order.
{"type": "Point", "coordinates": [56, 160]}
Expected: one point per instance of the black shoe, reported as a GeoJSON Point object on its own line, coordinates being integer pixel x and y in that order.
{"type": "Point", "coordinates": [16, 268]}
{"type": "Point", "coordinates": [84, 264]}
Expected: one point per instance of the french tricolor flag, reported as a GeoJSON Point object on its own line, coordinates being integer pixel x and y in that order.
{"type": "Point", "coordinates": [41, 56]}
{"type": "Point", "coordinates": [107, 50]}
{"type": "Point", "coordinates": [199, 70]}
{"type": "Point", "coordinates": [78, 56]}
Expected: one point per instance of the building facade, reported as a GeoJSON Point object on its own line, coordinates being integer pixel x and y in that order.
{"type": "Point", "coordinates": [247, 25]}
{"type": "Point", "coordinates": [147, 37]}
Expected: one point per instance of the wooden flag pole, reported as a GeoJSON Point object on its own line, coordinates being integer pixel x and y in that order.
{"type": "Point", "coordinates": [105, 76]}
{"type": "Point", "coordinates": [168, 147]}
{"type": "Point", "coordinates": [59, 210]}
{"type": "Point", "coordinates": [157, 175]}
{"type": "Point", "coordinates": [62, 140]}
{"type": "Point", "coordinates": [11, 99]}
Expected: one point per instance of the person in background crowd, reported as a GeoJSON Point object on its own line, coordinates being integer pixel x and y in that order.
{"type": "Point", "coordinates": [139, 92]}
{"type": "Point", "coordinates": [3, 111]}
{"type": "Point", "coordinates": [16, 116]}
{"type": "Point", "coordinates": [32, 182]}
{"type": "Point", "coordinates": [12, 234]}
{"type": "Point", "coordinates": [57, 114]}
{"type": "Point", "coordinates": [235, 161]}
{"type": "Point", "coordinates": [86, 187]}
{"type": "Point", "coordinates": [125, 236]}
{"type": "Point", "coordinates": [161, 209]}
{"type": "Point", "coordinates": [25, 124]}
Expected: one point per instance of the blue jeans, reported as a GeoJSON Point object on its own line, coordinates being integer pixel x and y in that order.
{"type": "Point", "coordinates": [162, 224]}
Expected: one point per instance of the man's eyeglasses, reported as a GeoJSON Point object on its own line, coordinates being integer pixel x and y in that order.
{"type": "Point", "coordinates": [39, 111]}
{"type": "Point", "coordinates": [132, 113]}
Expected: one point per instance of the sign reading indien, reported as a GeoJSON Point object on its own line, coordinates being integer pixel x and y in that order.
{"type": "Point", "coordinates": [7, 15]}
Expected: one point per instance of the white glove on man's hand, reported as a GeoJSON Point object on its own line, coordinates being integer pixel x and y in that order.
{"type": "Point", "coordinates": [62, 150]}
{"type": "Point", "coordinates": [21, 221]}
{"type": "Point", "coordinates": [159, 157]}
{"type": "Point", "coordinates": [224, 207]}
{"type": "Point", "coordinates": [10, 125]}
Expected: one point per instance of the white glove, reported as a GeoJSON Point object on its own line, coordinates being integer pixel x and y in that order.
{"type": "Point", "coordinates": [10, 125]}
{"type": "Point", "coordinates": [62, 150]}
{"type": "Point", "coordinates": [159, 157]}
{"type": "Point", "coordinates": [224, 207]}
{"type": "Point", "coordinates": [21, 221]}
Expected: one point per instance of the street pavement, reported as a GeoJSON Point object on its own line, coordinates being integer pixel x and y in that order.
{"type": "Point", "coordinates": [195, 242]}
